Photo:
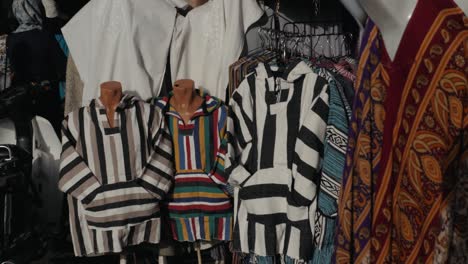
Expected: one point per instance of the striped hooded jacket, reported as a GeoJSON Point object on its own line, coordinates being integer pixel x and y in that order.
{"type": "Point", "coordinates": [199, 207]}
{"type": "Point", "coordinates": [115, 177]}
{"type": "Point", "coordinates": [276, 131]}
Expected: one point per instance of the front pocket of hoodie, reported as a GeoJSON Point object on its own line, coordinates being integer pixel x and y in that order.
{"type": "Point", "coordinates": [121, 205]}
{"type": "Point", "coordinates": [264, 198]}
{"type": "Point", "coordinates": [266, 191]}
{"type": "Point", "coordinates": [196, 193]}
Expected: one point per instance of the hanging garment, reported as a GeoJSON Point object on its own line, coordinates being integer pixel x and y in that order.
{"type": "Point", "coordinates": [244, 66]}
{"type": "Point", "coordinates": [199, 207]}
{"type": "Point", "coordinates": [334, 154]}
{"type": "Point", "coordinates": [46, 151]}
{"type": "Point", "coordinates": [356, 195]}
{"type": "Point", "coordinates": [277, 129]}
{"type": "Point", "coordinates": [126, 41]}
{"type": "Point", "coordinates": [28, 13]}
{"type": "Point", "coordinates": [209, 39]}
{"type": "Point", "coordinates": [115, 176]}
{"type": "Point", "coordinates": [406, 145]}
{"type": "Point", "coordinates": [204, 43]}
{"type": "Point", "coordinates": [324, 221]}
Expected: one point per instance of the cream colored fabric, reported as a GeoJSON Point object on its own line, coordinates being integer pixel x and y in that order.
{"type": "Point", "coordinates": [121, 40]}
{"type": "Point", "coordinates": [74, 88]}
{"type": "Point", "coordinates": [50, 8]}
{"type": "Point", "coordinates": [129, 40]}
{"type": "Point", "coordinates": [209, 39]}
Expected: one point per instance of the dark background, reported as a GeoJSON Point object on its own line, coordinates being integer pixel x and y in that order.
{"type": "Point", "coordinates": [8, 23]}
{"type": "Point", "coordinates": [302, 10]}
{"type": "Point", "coordinates": [329, 11]}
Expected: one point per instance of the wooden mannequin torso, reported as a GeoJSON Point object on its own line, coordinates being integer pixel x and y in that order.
{"type": "Point", "coordinates": [195, 3]}
{"type": "Point", "coordinates": [185, 99]}
{"type": "Point", "coordinates": [111, 94]}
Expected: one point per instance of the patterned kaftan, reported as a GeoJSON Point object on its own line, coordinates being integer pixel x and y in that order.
{"type": "Point", "coordinates": [407, 145]}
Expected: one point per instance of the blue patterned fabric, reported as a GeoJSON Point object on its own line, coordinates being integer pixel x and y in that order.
{"type": "Point", "coordinates": [332, 171]}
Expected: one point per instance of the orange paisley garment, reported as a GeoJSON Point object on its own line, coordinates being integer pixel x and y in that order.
{"type": "Point", "coordinates": [405, 195]}
{"type": "Point", "coordinates": [364, 147]}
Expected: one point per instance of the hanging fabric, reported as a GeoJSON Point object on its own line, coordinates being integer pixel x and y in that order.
{"type": "Point", "coordinates": [115, 40]}
{"type": "Point", "coordinates": [200, 207]}
{"type": "Point", "coordinates": [407, 140]}
{"type": "Point", "coordinates": [202, 44]}
{"type": "Point", "coordinates": [209, 39]}
{"type": "Point", "coordinates": [115, 177]}
{"type": "Point", "coordinates": [277, 128]}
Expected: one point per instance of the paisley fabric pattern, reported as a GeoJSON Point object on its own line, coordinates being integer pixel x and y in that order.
{"type": "Point", "coordinates": [364, 148]}
{"type": "Point", "coordinates": [418, 182]}
{"type": "Point", "coordinates": [405, 197]}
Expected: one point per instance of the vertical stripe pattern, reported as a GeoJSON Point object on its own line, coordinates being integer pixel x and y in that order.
{"type": "Point", "coordinates": [114, 177]}
{"type": "Point", "coordinates": [199, 207]}
{"type": "Point", "coordinates": [281, 123]}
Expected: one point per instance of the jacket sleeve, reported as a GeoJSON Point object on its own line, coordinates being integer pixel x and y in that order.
{"type": "Point", "coordinates": [76, 179]}
{"type": "Point", "coordinates": [240, 132]}
{"type": "Point", "coordinates": [218, 173]}
{"type": "Point", "coordinates": [308, 155]}
{"type": "Point", "coordinates": [334, 160]}
{"type": "Point", "coordinates": [158, 174]}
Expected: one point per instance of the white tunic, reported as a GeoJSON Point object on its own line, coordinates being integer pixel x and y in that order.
{"type": "Point", "coordinates": [129, 40]}
{"type": "Point", "coordinates": [209, 39]}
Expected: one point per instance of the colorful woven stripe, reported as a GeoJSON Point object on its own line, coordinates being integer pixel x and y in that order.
{"type": "Point", "coordinates": [202, 228]}
{"type": "Point", "coordinates": [199, 208]}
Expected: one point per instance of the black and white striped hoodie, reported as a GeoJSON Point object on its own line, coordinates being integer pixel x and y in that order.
{"type": "Point", "coordinates": [276, 132]}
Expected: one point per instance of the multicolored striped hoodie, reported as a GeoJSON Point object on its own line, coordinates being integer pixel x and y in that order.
{"type": "Point", "coordinates": [199, 207]}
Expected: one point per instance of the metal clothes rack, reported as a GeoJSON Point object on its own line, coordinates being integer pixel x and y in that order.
{"type": "Point", "coordinates": [286, 39]}
{"type": "Point", "coordinates": [317, 30]}
{"type": "Point", "coordinates": [304, 38]}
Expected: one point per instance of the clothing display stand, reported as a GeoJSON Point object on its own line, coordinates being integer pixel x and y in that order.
{"type": "Point", "coordinates": [185, 99]}
{"type": "Point", "coordinates": [197, 248]}
{"type": "Point", "coordinates": [111, 93]}
{"type": "Point", "coordinates": [186, 102]}
{"type": "Point", "coordinates": [195, 3]}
